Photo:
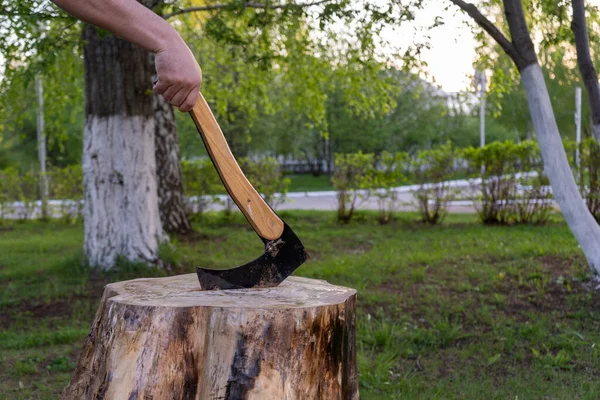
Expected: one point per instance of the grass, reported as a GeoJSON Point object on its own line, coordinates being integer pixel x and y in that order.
{"type": "Point", "coordinates": [309, 183]}
{"type": "Point", "coordinates": [458, 311]}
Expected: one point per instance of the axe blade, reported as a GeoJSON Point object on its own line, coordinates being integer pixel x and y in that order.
{"type": "Point", "coordinates": [282, 256]}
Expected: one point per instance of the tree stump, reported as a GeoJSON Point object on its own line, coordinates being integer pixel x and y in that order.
{"type": "Point", "coordinates": [163, 338]}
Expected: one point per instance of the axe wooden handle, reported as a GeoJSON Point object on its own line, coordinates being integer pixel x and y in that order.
{"type": "Point", "coordinates": [258, 213]}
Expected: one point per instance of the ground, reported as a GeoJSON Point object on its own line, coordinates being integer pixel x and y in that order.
{"type": "Point", "coordinates": [460, 311]}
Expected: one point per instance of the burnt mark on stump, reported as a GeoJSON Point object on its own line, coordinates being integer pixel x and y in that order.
{"type": "Point", "coordinates": [243, 372]}
{"type": "Point", "coordinates": [190, 386]}
{"type": "Point", "coordinates": [186, 388]}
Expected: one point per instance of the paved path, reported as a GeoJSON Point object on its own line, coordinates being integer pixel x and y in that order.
{"type": "Point", "coordinates": [325, 200]}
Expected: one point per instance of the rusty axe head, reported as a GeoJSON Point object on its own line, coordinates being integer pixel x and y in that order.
{"type": "Point", "coordinates": [282, 256]}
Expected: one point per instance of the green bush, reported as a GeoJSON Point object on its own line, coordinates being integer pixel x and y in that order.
{"type": "Point", "coordinates": [533, 203]}
{"type": "Point", "coordinates": [386, 178]}
{"type": "Point", "coordinates": [66, 184]}
{"type": "Point", "coordinates": [21, 190]}
{"type": "Point", "coordinates": [432, 169]}
{"type": "Point", "coordinates": [201, 183]}
{"type": "Point", "coordinates": [494, 165]}
{"type": "Point", "coordinates": [352, 178]}
{"type": "Point", "coordinates": [589, 175]}
{"type": "Point", "coordinates": [268, 179]}
{"type": "Point", "coordinates": [512, 187]}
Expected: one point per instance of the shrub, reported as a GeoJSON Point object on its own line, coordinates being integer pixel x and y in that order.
{"type": "Point", "coordinates": [19, 194]}
{"type": "Point", "coordinates": [201, 183]}
{"type": "Point", "coordinates": [6, 190]}
{"type": "Point", "coordinates": [266, 176]}
{"type": "Point", "coordinates": [352, 178]}
{"type": "Point", "coordinates": [533, 202]}
{"type": "Point", "coordinates": [589, 175]}
{"type": "Point", "coordinates": [386, 178]}
{"type": "Point", "coordinates": [512, 187]}
{"type": "Point", "coordinates": [66, 185]}
{"type": "Point", "coordinates": [432, 169]}
{"type": "Point", "coordinates": [496, 186]}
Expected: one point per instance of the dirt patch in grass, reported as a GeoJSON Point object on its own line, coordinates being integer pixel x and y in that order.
{"type": "Point", "coordinates": [57, 309]}
{"type": "Point", "coordinates": [352, 246]}
{"type": "Point", "coordinates": [535, 293]}
{"type": "Point", "coordinates": [199, 237]}
{"type": "Point", "coordinates": [35, 311]}
{"type": "Point", "coordinates": [563, 266]}
{"type": "Point", "coordinates": [6, 229]}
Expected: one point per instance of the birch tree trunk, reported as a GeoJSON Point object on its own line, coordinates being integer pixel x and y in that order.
{"type": "Point", "coordinates": [556, 166]}
{"type": "Point", "coordinates": [585, 63]}
{"type": "Point", "coordinates": [171, 202]}
{"type": "Point", "coordinates": [163, 338]}
{"type": "Point", "coordinates": [121, 202]}
{"type": "Point", "coordinates": [565, 190]}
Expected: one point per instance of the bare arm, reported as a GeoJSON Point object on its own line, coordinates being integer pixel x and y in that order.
{"type": "Point", "coordinates": [179, 75]}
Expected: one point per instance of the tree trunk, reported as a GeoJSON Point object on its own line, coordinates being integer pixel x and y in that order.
{"type": "Point", "coordinates": [171, 204]}
{"type": "Point", "coordinates": [556, 166]}
{"type": "Point", "coordinates": [163, 338]}
{"type": "Point", "coordinates": [565, 190]}
{"type": "Point", "coordinates": [585, 63]}
{"type": "Point", "coordinates": [121, 202]}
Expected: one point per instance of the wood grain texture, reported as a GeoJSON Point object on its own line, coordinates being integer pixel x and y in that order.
{"type": "Point", "coordinates": [163, 338]}
{"type": "Point", "coordinates": [258, 213]}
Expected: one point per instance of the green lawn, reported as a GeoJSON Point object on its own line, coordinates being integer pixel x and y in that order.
{"type": "Point", "coordinates": [309, 183]}
{"type": "Point", "coordinates": [459, 311]}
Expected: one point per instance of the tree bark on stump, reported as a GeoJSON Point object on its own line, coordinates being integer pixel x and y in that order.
{"type": "Point", "coordinates": [163, 338]}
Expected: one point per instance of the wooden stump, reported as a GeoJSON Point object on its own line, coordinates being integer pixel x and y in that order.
{"type": "Point", "coordinates": [163, 338]}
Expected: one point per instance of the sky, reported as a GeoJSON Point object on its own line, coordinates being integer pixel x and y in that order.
{"type": "Point", "coordinates": [452, 49]}
{"type": "Point", "coordinates": [452, 53]}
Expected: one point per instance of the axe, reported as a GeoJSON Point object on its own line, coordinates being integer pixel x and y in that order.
{"type": "Point", "coordinates": [284, 251]}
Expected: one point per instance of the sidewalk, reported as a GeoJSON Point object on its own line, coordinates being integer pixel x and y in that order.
{"type": "Point", "coordinates": [325, 200]}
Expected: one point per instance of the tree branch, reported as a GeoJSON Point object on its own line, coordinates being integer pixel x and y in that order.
{"type": "Point", "coordinates": [220, 6]}
{"type": "Point", "coordinates": [519, 32]}
{"type": "Point", "coordinates": [489, 27]}
{"type": "Point", "coordinates": [584, 59]}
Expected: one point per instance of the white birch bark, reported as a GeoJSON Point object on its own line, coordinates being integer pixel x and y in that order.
{"type": "Point", "coordinates": [565, 190]}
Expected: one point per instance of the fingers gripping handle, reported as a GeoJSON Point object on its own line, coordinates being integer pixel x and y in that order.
{"type": "Point", "coordinates": [258, 213]}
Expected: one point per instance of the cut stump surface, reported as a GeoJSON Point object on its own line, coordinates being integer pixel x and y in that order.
{"type": "Point", "coordinates": [163, 338]}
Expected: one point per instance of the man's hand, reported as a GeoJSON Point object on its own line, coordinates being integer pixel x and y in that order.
{"type": "Point", "coordinates": [179, 75]}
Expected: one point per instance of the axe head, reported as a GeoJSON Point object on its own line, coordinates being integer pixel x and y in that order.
{"type": "Point", "coordinates": [282, 256]}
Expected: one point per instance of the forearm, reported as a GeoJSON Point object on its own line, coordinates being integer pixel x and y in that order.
{"type": "Point", "coordinates": [125, 18]}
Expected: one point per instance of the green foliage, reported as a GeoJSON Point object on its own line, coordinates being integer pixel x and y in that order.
{"type": "Point", "coordinates": [352, 178]}
{"type": "Point", "coordinates": [432, 169]}
{"type": "Point", "coordinates": [510, 186]}
{"type": "Point", "coordinates": [20, 193]}
{"type": "Point", "coordinates": [386, 178]}
{"type": "Point", "coordinates": [66, 184]}
{"type": "Point", "coordinates": [533, 203]}
{"type": "Point", "coordinates": [589, 175]}
{"type": "Point", "coordinates": [22, 189]}
{"type": "Point", "coordinates": [200, 184]}
{"type": "Point", "coordinates": [266, 177]}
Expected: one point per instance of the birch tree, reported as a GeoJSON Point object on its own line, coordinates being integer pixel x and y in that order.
{"type": "Point", "coordinates": [521, 50]}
